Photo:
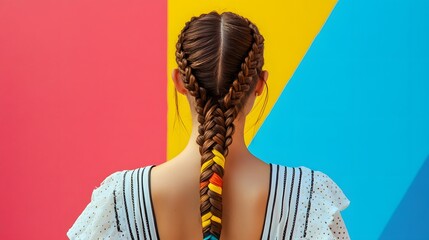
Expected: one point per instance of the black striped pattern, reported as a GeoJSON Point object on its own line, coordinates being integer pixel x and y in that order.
{"type": "Point", "coordinates": [287, 217]}
{"type": "Point", "coordinates": [116, 212]}
{"type": "Point", "coordinates": [296, 203]}
{"type": "Point", "coordinates": [309, 203]}
{"type": "Point", "coordinates": [290, 199]}
{"type": "Point", "coordinates": [126, 205]}
{"type": "Point", "coordinates": [139, 213]}
{"type": "Point", "coordinates": [285, 212]}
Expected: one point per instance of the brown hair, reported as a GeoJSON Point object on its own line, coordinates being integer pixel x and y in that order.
{"type": "Point", "coordinates": [220, 58]}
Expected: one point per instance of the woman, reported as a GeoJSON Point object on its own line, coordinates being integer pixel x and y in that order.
{"type": "Point", "coordinates": [220, 60]}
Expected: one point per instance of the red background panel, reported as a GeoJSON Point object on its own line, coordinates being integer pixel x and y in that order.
{"type": "Point", "coordinates": [82, 95]}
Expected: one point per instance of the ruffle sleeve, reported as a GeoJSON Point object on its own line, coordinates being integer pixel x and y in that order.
{"type": "Point", "coordinates": [327, 202]}
{"type": "Point", "coordinates": [99, 218]}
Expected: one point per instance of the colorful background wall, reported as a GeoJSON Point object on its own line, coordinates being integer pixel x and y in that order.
{"type": "Point", "coordinates": [85, 90]}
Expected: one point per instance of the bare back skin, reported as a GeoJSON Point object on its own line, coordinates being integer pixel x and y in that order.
{"type": "Point", "coordinates": [176, 199]}
{"type": "Point", "coordinates": [175, 184]}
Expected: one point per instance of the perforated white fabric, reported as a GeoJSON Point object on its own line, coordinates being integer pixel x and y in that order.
{"type": "Point", "coordinates": [302, 204]}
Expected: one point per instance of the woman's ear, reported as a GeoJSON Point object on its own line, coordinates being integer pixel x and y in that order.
{"type": "Point", "coordinates": [178, 83]}
{"type": "Point", "coordinates": [260, 85]}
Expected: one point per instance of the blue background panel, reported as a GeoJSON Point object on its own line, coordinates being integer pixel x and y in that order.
{"type": "Point", "coordinates": [357, 108]}
{"type": "Point", "coordinates": [411, 218]}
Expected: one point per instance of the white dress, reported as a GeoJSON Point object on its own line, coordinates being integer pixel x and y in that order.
{"type": "Point", "coordinates": [302, 204]}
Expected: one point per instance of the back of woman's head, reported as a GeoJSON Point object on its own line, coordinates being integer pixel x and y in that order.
{"type": "Point", "coordinates": [220, 58]}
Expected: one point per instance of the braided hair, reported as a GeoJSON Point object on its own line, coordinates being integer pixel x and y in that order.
{"type": "Point", "coordinates": [220, 58]}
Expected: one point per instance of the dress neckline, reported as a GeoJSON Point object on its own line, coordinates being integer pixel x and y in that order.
{"type": "Point", "coordinates": [269, 199]}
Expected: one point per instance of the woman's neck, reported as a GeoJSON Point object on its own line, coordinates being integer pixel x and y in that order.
{"type": "Point", "coordinates": [237, 150]}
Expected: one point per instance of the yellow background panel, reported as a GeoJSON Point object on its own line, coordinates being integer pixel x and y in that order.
{"type": "Point", "coordinates": [289, 28]}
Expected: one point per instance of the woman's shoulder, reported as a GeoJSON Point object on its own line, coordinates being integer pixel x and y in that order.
{"type": "Point", "coordinates": [309, 203]}
{"type": "Point", "coordinates": [116, 180]}
{"type": "Point", "coordinates": [103, 217]}
{"type": "Point", "coordinates": [115, 175]}
{"type": "Point", "coordinates": [319, 182]}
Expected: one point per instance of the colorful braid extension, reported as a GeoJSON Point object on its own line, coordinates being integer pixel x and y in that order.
{"type": "Point", "coordinates": [215, 185]}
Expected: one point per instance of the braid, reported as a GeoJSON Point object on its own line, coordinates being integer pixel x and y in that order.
{"type": "Point", "coordinates": [216, 116]}
{"type": "Point", "coordinates": [251, 67]}
{"type": "Point", "coordinates": [190, 82]}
